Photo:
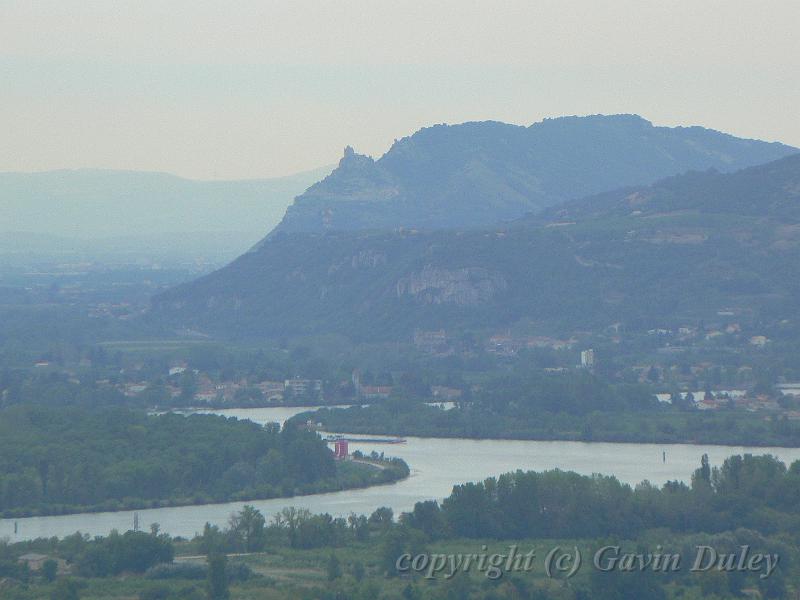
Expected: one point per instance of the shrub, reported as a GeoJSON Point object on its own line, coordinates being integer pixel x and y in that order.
{"type": "Point", "coordinates": [193, 571]}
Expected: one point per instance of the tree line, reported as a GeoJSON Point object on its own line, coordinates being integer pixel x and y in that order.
{"type": "Point", "coordinates": [64, 459]}
{"type": "Point", "coordinates": [748, 500]}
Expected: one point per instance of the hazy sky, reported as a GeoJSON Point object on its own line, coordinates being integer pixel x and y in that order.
{"type": "Point", "coordinates": [253, 89]}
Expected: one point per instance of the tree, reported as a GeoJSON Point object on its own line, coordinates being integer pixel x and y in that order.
{"type": "Point", "coordinates": [188, 385]}
{"type": "Point", "coordinates": [132, 551]}
{"type": "Point", "coordinates": [212, 540]}
{"type": "Point", "coordinates": [382, 517]}
{"type": "Point", "coordinates": [359, 525]}
{"type": "Point", "coordinates": [290, 519]}
{"type": "Point", "coordinates": [65, 589]}
{"type": "Point", "coordinates": [773, 586]}
{"type": "Point", "coordinates": [712, 583]}
{"type": "Point", "coordinates": [705, 469]}
{"type": "Point", "coordinates": [334, 569]}
{"type": "Point", "coordinates": [392, 547]}
{"type": "Point", "coordinates": [410, 592]}
{"type": "Point", "coordinates": [736, 582]}
{"type": "Point", "coordinates": [428, 517]}
{"type": "Point", "coordinates": [248, 527]}
{"type": "Point", "coordinates": [49, 570]}
{"type": "Point", "coordinates": [159, 592]}
{"type": "Point", "coordinates": [217, 584]}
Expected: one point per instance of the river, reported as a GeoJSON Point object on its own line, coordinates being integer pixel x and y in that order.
{"type": "Point", "coordinates": [436, 465]}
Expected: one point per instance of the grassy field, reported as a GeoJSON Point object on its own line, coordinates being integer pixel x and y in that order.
{"type": "Point", "coordinates": [288, 574]}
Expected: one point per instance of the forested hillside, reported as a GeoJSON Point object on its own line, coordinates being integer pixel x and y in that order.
{"type": "Point", "coordinates": [59, 460]}
{"type": "Point", "coordinates": [484, 173]}
{"type": "Point", "coordinates": [689, 246]}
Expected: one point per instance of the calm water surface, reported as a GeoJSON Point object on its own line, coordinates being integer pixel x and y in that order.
{"type": "Point", "coordinates": [436, 465]}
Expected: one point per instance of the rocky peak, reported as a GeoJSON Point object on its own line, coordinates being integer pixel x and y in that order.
{"type": "Point", "coordinates": [352, 160]}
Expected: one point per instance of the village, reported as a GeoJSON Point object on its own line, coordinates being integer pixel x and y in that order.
{"type": "Point", "coordinates": [707, 366]}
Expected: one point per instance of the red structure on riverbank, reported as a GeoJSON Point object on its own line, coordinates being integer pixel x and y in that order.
{"type": "Point", "coordinates": [340, 449]}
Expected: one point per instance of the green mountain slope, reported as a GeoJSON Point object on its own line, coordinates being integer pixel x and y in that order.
{"type": "Point", "coordinates": [689, 245]}
{"type": "Point", "coordinates": [483, 173]}
{"type": "Point", "coordinates": [769, 190]}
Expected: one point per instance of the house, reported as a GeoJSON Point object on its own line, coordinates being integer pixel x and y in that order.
{"type": "Point", "coordinates": [33, 560]}
{"type": "Point", "coordinates": [707, 404]}
{"type": "Point", "coordinates": [206, 390]}
{"type": "Point", "coordinates": [540, 341]}
{"type": "Point", "coordinates": [370, 392]}
{"type": "Point", "coordinates": [303, 388]}
{"type": "Point", "coordinates": [432, 342]}
{"type": "Point", "coordinates": [504, 343]}
{"type": "Point", "coordinates": [227, 389]}
{"type": "Point", "coordinates": [178, 368]}
{"type": "Point", "coordinates": [445, 394]}
{"type": "Point", "coordinates": [764, 403]}
{"type": "Point", "coordinates": [761, 402]}
{"type": "Point", "coordinates": [374, 392]}
{"type": "Point", "coordinates": [789, 389]}
{"type": "Point", "coordinates": [206, 395]}
{"type": "Point", "coordinates": [133, 389]}
{"type": "Point", "coordinates": [272, 390]}
{"type": "Point", "coordinates": [759, 340]}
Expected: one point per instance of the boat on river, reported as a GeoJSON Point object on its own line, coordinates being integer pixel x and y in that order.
{"type": "Point", "coordinates": [364, 440]}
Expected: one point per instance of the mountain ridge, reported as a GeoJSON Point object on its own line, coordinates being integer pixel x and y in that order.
{"type": "Point", "coordinates": [641, 265]}
{"type": "Point", "coordinates": [488, 172]}
{"type": "Point", "coordinates": [760, 190]}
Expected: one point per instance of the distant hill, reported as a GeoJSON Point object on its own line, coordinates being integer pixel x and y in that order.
{"type": "Point", "coordinates": [482, 173]}
{"type": "Point", "coordinates": [769, 190]}
{"type": "Point", "coordinates": [100, 204]}
{"type": "Point", "coordinates": [684, 248]}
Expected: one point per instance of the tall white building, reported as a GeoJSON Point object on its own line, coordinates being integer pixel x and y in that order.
{"type": "Point", "coordinates": [587, 359]}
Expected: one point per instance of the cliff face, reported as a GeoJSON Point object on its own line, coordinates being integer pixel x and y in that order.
{"type": "Point", "coordinates": [620, 257]}
{"type": "Point", "coordinates": [480, 174]}
{"type": "Point", "coordinates": [468, 286]}
{"type": "Point", "coordinates": [341, 200]}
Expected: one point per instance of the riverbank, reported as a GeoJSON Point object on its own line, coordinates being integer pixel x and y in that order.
{"type": "Point", "coordinates": [670, 426]}
{"type": "Point", "coordinates": [496, 525]}
{"type": "Point", "coordinates": [351, 475]}
{"type": "Point", "coordinates": [67, 460]}
{"type": "Point", "coordinates": [437, 465]}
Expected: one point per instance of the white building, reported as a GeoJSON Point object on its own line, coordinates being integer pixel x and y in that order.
{"type": "Point", "coordinates": [303, 388]}
{"type": "Point", "coordinates": [587, 359]}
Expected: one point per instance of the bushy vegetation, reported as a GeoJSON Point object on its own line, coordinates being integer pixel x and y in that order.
{"type": "Point", "coordinates": [64, 459]}
{"type": "Point", "coordinates": [523, 417]}
{"type": "Point", "coordinates": [757, 492]}
{"type": "Point", "coordinates": [750, 501]}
